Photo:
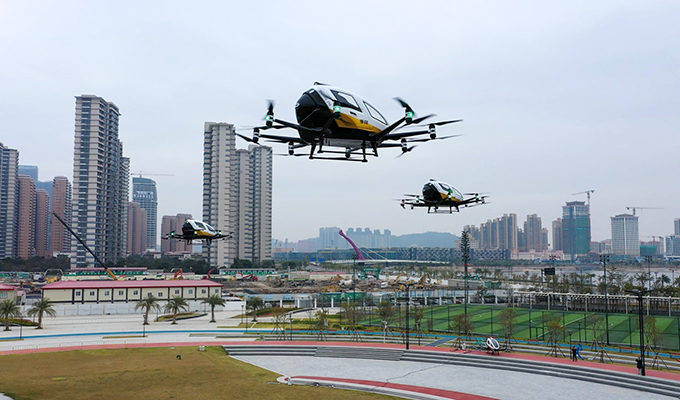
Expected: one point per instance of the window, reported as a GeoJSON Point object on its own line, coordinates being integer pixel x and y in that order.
{"type": "Point", "coordinates": [191, 291]}
{"type": "Point", "coordinates": [375, 113]}
{"type": "Point", "coordinates": [160, 294]}
{"type": "Point", "coordinates": [77, 292]}
{"type": "Point", "coordinates": [176, 291]}
{"type": "Point", "coordinates": [202, 291]}
{"type": "Point", "coordinates": [91, 292]}
{"type": "Point", "coordinates": [3, 295]}
{"type": "Point", "coordinates": [346, 100]}
{"type": "Point", "coordinates": [106, 292]}
{"type": "Point", "coordinates": [136, 292]}
{"type": "Point", "coordinates": [121, 293]}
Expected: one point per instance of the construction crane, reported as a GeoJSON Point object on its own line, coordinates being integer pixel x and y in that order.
{"type": "Point", "coordinates": [139, 174]}
{"type": "Point", "coordinates": [587, 192]}
{"type": "Point", "coordinates": [113, 276]}
{"type": "Point", "coordinates": [643, 208]}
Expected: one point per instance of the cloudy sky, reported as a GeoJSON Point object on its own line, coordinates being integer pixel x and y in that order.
{"type": "Point", "coordinates": [557, 97]}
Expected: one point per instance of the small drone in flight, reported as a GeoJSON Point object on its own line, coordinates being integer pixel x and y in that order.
{"type": "Point", "coordinates": [438, 195]}
{"type": "Point", "coordinates": [329, 118]}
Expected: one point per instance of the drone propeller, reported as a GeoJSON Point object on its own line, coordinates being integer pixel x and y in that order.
{"type": "Point", "coordinates": [440, 123]}
{"type": "Point", "coordinates": [269, 117]}
{"type": "Point", "coordinates": [246, 138]}
{"type": "Point", "coordinates": [405, 150]}
{"type": "Point", "coordinates": [408, 111]}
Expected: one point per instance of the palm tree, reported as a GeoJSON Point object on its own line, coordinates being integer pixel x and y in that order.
{"type": "Point", "coordinates": [214, 300]}
{"type": "Point", "coordinates": [148, 304]}
{"type": "Point", "coordinates": [254, 303]}
{"type": "Point", "coordinates": [40, 308]}
{"type": "Point", "coordinates": [175, 305]}
{"type": "Point", "coordinates": [8, 309]}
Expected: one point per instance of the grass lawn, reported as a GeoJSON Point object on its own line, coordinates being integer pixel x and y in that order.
{"type": "Point", "coordinates": [149, 373]}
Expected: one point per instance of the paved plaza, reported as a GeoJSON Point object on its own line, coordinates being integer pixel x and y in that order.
{"type": "Point", "coordinates": [126, 330]}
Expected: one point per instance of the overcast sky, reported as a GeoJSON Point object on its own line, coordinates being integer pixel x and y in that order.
{"type": "Point", "coordinates": [557, 97]}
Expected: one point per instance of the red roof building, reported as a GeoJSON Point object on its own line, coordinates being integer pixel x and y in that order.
{"type": "Point", "coordinates": [109, 291]}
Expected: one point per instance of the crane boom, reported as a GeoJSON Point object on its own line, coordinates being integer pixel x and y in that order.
{"type": "Point", "coordinates": [643, 208]}
{"type": "Point", "coordinates": [115, 278]}
{"type": "Point", "coordinates": [587, 193]}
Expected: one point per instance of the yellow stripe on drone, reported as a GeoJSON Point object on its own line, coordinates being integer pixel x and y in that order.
{"type": "Point", "coordinates": [446, 197]}
{"type": "Point", "coordinates": [204, 233]}
{"type": "Point", "coordinates": [351, 122]}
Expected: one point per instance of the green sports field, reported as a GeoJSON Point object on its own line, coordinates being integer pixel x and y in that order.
{"type": "Point", "coordinates": [529, 324]}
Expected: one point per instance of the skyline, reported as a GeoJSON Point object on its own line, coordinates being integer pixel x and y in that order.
{"type": "Point", "coordinates": [555, 100]}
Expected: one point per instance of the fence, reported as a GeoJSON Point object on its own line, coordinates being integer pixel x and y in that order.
{"type": "Point", "coordinates": [531, 324]}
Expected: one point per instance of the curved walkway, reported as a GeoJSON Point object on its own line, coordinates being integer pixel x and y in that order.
{"type": "Point", "coordinates": [420, 379]}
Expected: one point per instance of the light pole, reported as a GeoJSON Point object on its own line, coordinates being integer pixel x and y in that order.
{"type": "Point", "coordinates": [143, 328]}
{"type": "Point", "coordinates": [465, 255]}
{"type": "Point", "coordinates": [603, 259]}
{"type": "Point", "coordinates": [639, 293]}
{"type": "Point", "coordinates": [408, 301]}
{"type": "Point", "coordinates": [649, 272]}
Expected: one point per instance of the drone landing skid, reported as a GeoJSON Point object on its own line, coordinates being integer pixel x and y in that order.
{"type": "Point", "coordinates": [443, 211]}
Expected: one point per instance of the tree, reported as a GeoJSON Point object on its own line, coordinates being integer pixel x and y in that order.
{"type": "Point", "coordinates": [148, 304]}
{"type": "Point", "coordinates": [9, 309]}
{"type": "Point", "coordinates": [254, 303]}
{"type": "Point", "coordinates": [385, 311]}
{"type": "Point", "coordinates": [175, 305]}
{"type": "Point", "coordinates": [213, 300]}
{"type": "Point", "coordinates": [40, 308]}
{"type": "Point", "coordinates": [507, 319]}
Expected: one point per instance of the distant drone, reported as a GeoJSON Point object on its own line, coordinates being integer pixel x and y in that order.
{"type": "Point", "coordinates": [439, 194]}
{"type": "Point", "coordinates": [329, 117]}
{"type": "Point", "coordinates": [198, 230]}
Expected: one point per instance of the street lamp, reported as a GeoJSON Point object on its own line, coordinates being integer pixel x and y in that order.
{"type": "Point", "coordinates": [639, 293]}
{"type": "Point", "coordinates": [649, 271]}
{"type": "Point", "coordinates": [603, 259]}
{"type": "Point", "coordinates": [143, 327]}
{"type": "Point", "coordinates": [408, 301]}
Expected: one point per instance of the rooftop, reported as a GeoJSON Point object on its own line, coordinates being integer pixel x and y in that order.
{"type": "Point", "coordinates": [110, 284]}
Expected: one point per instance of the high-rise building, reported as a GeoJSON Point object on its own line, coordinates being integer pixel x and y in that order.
{"type": "Point", "coordinates": [60, 237]}
{"type": "Point", "coordinates": [557, 235]}
{"type": "Point", "coordinates": [136, 230]}
{"type": "Point", "coordinates": [676, 226]}
{"type": "Point", "coordinates": [625, 235]}
{"type": "Point", "coordinates": [9, 171]}
{"type": "Point", "coordinates": [33, 172]}
{"type": "Point", "coordinates": [253, 190]}
{"type": "Point", "coordinates": [26, 222]}
{"type": "Point", "coordinates": [575, 229]}
{"type": "Point", "coordinates": [237, 187]}
{"type": "Point", "coordinates": [42, 223]}
{"type": "Point", "coordinates": [534, 233]}
{"type": "Point", "coordinates": [174, 223]}
{"type": "Point", "coordinates": [144, 193]}
{"type": "Point", "coordinates": [328, 239]}
{"type": "Point", "coordinates": [101, 178]}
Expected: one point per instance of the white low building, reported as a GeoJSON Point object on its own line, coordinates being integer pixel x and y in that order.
{"type": "Point", "coordinates": [120, 297]}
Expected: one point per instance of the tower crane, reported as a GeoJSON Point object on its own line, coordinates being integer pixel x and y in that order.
{"type": "Point", "coordinates": [643, 208]}
{"type": "Point", "coordinates": [587, 192]}
{"type": "Point", "coordinates": [139, 174]}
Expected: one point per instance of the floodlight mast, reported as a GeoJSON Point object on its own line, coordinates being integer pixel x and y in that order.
{"type": "Point", "coordinates": [115, 278]}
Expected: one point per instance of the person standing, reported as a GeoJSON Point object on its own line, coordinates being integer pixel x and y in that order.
{"type": "Point", "coordinates": [574, 351]}
{"type": "Point", "coordinates": [638, 362]}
